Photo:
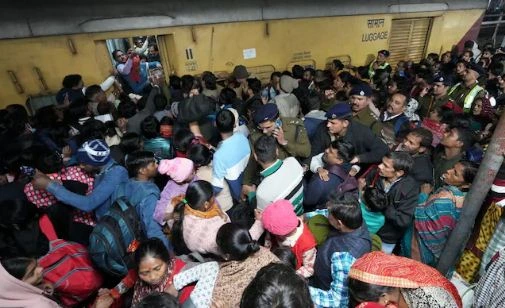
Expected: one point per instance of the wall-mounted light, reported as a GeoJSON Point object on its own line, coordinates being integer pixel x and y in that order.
{"type": "Point", "coordinates": [71, 46]}
{"type": "Point", "coordinates": [15, 82]}
{"type": "Point", "coordinates": [41, 78]}
{"type": "Point", "coordinates": [193, 34]}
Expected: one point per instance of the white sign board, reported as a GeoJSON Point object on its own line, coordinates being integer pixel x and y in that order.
{"type": "Point", "coordinates": [249, 53]}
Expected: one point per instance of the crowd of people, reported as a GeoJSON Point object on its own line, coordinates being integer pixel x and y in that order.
{"type": "Point", "coordinates": [322, 188]}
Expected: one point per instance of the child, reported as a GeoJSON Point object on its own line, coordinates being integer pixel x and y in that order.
{"type": "Point", "coordinates": [142, 192]}
{"type": "Point", "coordinates": [434, 124]}
{"type": "Point", "coordinates": [279, 218]}
{"type": "Point", "coordinates": [372, 203]}
{"type": "Point", "coordinates": [181, 172]}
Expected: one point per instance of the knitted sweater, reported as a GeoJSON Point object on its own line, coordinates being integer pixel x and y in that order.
{"type": "Point", "coordinates": [235, 276]}
{"type": "Point", "coordinates": [200, 233]}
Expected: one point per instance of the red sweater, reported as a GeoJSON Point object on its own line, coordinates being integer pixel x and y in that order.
{"type": "Point", "coordinates": [305, 242]}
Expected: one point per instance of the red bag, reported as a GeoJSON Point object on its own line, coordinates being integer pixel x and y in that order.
{"type": "Point", "coordinates": [68, 267]}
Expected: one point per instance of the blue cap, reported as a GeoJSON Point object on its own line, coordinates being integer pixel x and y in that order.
{"type": "Point", "coordinates": [362, 89]}
{"type": "Point", "coordinates": [446, 80]}
{"type": "Point", "coordinates": [339, 111]}
{"type": "Point", "coordinates": [266, 112]}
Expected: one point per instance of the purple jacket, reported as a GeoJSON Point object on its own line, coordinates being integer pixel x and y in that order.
{"type": "Point", "coordinates": [164, 205]}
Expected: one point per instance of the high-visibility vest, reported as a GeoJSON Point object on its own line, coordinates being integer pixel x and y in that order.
{"type": "Point", "coordinates": [469, 98]}
{"type": "Point", "coordinates": [371, 71]}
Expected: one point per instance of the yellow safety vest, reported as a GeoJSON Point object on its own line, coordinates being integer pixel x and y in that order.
{"type": "Point", "coordinates": [470, 97]}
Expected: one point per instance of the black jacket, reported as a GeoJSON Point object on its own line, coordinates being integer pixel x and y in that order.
{"type": "Point", "coordinates": [368, 147]}
{"type": "Point", "coordinates": [422, 170]}
{"type": "Point", "coordinates": [399, 214]}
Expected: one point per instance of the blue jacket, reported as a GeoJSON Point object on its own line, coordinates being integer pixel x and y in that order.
{"type": "Point", "coordinates": [357, 243]}
{"type": "Point", "coordinates": [317, 191]}
{"type": "Point", "coordinates": [99, 200]}
{"type": "Point", "coordinates": [143, 196]}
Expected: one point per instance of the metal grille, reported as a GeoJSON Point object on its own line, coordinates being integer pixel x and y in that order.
{"type": "Point", "coordinates": [408, 39]}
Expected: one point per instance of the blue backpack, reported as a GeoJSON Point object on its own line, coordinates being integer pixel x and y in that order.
{"type": "Point", "coordinates": [116, 236]}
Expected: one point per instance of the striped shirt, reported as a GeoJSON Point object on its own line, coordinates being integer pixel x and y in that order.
{"type": "Point", "coordinates": [282, 180]}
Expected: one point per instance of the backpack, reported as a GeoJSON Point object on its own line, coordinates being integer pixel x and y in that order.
{"type": "Point", "coordinates": [115, 237]}
{"type": "Point", "coordinates": [348, 184]}
{"type": "Point", "coordinates": [68, 267]}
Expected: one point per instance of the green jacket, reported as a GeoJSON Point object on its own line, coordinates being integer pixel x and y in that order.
{"type": "Point", "coordinates": [298, 146]}
{"type": "Point", "coordinates": [428, 103]}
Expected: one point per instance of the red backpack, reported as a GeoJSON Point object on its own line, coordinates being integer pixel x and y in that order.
{"type": "Point", "coordinates": [68, 267]}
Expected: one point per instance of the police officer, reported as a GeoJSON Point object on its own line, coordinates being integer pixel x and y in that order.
{"type": "Point", "coordinates": [440, 87]}
{"type": "Point", "coordinates": [360, 100]}
{"type": "Point", "coordinates": [380, 63]}
{"type": "Point", "coordinates": [464, 93]}
{"type": "Point", "coordinates": [290, 133]}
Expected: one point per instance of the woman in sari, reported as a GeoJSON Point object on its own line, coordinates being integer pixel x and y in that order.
{"type": "Point", "coordinates": [437, 215]}
{"type": "Point", "coordinates": [394, 281]}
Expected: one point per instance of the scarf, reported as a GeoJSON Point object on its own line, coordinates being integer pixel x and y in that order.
{"type": "Point", "coordinates": [214, 211]}
{"type": "Point", "coordinates": [490, 291]}
{"type": "Point", "coordinates": [135, 71]}
{"type": "Point", "coordinates": [381, 269]}
{"type": "Point", "coordinates": [142, 289]}
{"type": "Point", "coordinates": [16, 293]}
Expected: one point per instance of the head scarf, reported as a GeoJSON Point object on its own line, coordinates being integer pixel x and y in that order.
{"type": "Point", "coordinates": [16, 293]}
{"type": "Point", "coordinates": [487, 110]}
{"type": "Point", "coordinates": [142, 288]}
{"type": "Point", "coordinates": [381, 269]}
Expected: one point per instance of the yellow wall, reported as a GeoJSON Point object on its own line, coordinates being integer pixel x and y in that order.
{"type": "Point", "coordinates": [288, 40]}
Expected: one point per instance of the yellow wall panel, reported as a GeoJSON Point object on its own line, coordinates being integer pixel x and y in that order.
{"type": "Point", "coordinates": [219, 47]}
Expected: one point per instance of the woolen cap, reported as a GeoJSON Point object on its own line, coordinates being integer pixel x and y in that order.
{"type": "Point", "coordinates": [94, 152]}
{"type": "Point", "coordinates": [288, 83]}
{"type": "Point", "coordinates": [240, 72]}
{"type": "Point", "coordinates": [178, 169]}
{"type": "Point", "coordinates": [279, 218]}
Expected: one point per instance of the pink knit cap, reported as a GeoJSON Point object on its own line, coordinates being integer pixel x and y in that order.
{"type": "Point", "coordinates": [178, 169]}
{"type": "Point", "coordinates": [279, 218]}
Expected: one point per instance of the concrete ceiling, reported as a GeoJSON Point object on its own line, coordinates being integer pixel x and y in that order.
{"type": "Point", "coordinates": [28, 18]}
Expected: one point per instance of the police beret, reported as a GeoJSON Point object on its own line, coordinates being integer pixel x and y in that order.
{"type": "Point", "coordinates": [362, 89]}
{"type": "Point", "coordinates": [339, 111]}
{"type": "Point", "coordinates": [446, 80]}
{"type": "Point", "coordinates": [266, 112]}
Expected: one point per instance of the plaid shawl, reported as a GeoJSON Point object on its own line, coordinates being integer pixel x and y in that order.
{"type": "Point", "coordinates": [490, 291]}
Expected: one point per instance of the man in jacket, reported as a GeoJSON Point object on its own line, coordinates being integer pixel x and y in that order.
{"type": "Point", "coordinates": [418, 144]}
{"type": "Point", "coordinates": [290, 134]}
{"type": "Point", "coordinates": [402, 190]}
{"type": "Point", "coordinates": [368, 148]}
{"type": "Point", "coordinates": [94, 157]}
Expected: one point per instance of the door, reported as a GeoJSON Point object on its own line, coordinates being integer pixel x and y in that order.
{"type": "Point", "coordinates": [408, 39]}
